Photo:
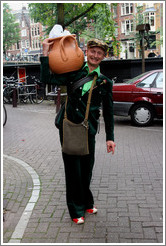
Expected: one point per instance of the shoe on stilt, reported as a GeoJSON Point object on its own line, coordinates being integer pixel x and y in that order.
{"type": "Point", "coordinates": [79, 221]}
{"type": "Point", "coordinates": [92, 210]}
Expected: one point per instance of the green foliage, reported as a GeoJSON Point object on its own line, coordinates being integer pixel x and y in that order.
{"type": "Point", "coordinates": [139, 17]}
{"type": "Point", "coordinates": [148, 43]}
{"type": "Point", "coordinates": [76, 16]}
{"type": "Point", "coordinates": [103, 27]}
{"type": "Point", "coordinates": [158, 42]}
{"type": "Point", "coordinates": [11, 31]}
{"type": "Point", "coordinates": [46, 13]}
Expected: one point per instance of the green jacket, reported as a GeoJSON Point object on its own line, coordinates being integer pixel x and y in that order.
{"type": "Point", "coordinates": [76, 106]}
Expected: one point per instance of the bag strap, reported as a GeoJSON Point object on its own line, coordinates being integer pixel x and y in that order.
{"type": "Point", "coordinates": [72, 87]}
{"type": "Point", "coordinates": [88, 102]}
{"type": "Point", "coordinates": [89, 99]}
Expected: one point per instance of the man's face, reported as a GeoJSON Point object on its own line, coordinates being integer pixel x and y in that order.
{"type": "Point", "coordinates": [95, 55]}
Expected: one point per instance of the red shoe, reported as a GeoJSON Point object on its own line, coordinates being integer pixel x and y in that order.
{"type": "Point", "coordinates": [92, 210]}
{"type": "Point", "coordinates": [79, 220]}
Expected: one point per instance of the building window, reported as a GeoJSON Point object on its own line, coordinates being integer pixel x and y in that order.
{"type": "Point", "coordinates": [126, 8]}
{"type": "Point", "coordinates": [131, 47]}
{"type": "Point", "coordinates": [24, 33]}
{"type": "Point", "coordinates": [35, 31]}
{"type": "Point", "coordinates": [23, 43]}
{"type": "Point", "coordinates": [152, 42]}
{"type": "Point", "coordinates": [131, 7]}
{"type": "Point", "coordinates": [149, 18]}
{"type": "Point", "coordinates": [32, 33]}
{"type": "Point", "coordinates": [32, 44]}
{"type": "Point", "coordinates": [127, 27]}
{"type": "Point", "coordinates": [114, 11]}
{"type": "Point", "coordinates": [38, 31]}
{"type": "Point", "coordinates": [17, 46]}
{"type": "Point", "coordinates": [123, 9]}
{"type": "Point", "coordinates": [35, 43]}
{"type": "Point", "coordinates": [27, 43]}
{"type": "Point", "coordinates": [123, 27]}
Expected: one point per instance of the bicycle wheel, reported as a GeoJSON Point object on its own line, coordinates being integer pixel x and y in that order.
{"type": "Point", "coordinates": [23, 94]}
{"type": "Point", "coordinates": [7, 95]}
{"type": "Point", "coordinates": [39, 97]}
{"type": "Point", "coordinates": [4, 115]}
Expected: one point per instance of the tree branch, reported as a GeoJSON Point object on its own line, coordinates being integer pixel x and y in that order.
{"type": "Point", "coordinates": [82, 14]}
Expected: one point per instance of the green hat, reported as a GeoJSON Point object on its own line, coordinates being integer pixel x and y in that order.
{"type": "Point", "coordinates": [97, 43]}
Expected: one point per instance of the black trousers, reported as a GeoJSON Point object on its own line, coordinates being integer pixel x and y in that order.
{"type": "Point", "coordinates": [78, 174]}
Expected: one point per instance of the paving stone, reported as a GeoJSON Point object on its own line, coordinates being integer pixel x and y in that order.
{"type": "Point", "coordinates": [131, 235]}
{"type": "Point", "coordinates": [149, 233]}
{"type": "Point", "coordinates": [113, 238]}
{"type": "Point", "coordinates": [42, 227]}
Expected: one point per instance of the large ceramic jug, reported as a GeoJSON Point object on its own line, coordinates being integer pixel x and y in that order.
{"type": "Point", "coordinates": [65, 55]}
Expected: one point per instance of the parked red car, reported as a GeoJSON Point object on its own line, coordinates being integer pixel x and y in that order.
{"type": "Point", "coordinates": [140, 97]}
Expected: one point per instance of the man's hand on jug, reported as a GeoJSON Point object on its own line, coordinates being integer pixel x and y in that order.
{"type": "Point", "coordinates": [47, 44]}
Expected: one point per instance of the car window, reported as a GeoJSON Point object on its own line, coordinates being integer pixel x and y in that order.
{"type": "Point", "coordinates": [130, 81]}
{"type": "Point", "coordinates": [147, 82]}
{"type": "Point", "coordinates": [159, 81]}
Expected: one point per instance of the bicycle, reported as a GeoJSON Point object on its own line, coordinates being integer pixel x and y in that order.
{"type": "Point", "coordinates": [33, 92]}
{"type": "Point", "coordinates": [37, 92]}
{"type": "Point", "coordinates": [4, 115]}
{"type": "Point", "coordinates": [8, 86]}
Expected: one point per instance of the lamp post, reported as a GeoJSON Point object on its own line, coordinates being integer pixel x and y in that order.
{"type": "Point", "coordinates": [142, 28]}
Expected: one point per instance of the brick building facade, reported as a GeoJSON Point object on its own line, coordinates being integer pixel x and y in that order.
{"type": "Point", "coordinates": [126, 18]}
{"type": "Point", "coordinates": [29, 47]}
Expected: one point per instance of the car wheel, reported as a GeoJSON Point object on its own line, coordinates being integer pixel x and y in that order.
{"type": "Point", "coordinates": [142, 115]}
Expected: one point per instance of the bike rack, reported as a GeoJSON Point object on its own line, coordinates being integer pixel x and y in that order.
{"type": "Point", "coordinates": [50, 92]}
{"type": "Point", "coordinates": [26, 94]}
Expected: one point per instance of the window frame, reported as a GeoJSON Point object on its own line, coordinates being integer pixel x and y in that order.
{"type": "Point", "coordinates": [127, 9]}
{"type": "Point", "coordinates": [23, 33]}
{"type": "Point", "coordinates": [148, 77]}
{"type": "Point", "coordinates": [124, 25]}
{"type": "Point", "coordinates": [149, 17]}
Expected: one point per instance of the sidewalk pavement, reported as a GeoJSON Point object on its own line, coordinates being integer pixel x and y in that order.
{"type": "Point", "coordinates": [127, 186]}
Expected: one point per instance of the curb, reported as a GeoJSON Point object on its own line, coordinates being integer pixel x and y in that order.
{"type": "Point", "coordinates": [22, 224]}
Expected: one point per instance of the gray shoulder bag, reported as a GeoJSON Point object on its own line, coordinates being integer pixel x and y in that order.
{"type": "Point", "coordinates": [75, 136]}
